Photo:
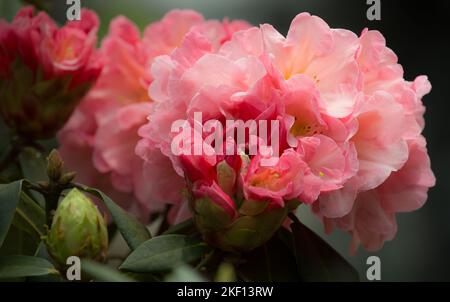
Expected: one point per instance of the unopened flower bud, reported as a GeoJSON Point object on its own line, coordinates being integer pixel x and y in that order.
{"type": "Point", "coordinates": [54, 166]}
{"type": "Point", "coordinates": [45, 70]}
{"type": "Point", "coordinates": [78, 229]}
{"type": "Point", "coordinates": [231, 225]}
{"type": "Point", "coordinates": [226, 177]}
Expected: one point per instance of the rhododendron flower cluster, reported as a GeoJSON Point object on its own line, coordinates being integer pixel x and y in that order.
{"type": "Point", "coordinates": [45, 70]}
{"type": "Point", "coordinates": [100, 138]}
{"type": "Point", "coordinates": [350, 136]}
{"type": "Point", "coordinates": [202, 138]}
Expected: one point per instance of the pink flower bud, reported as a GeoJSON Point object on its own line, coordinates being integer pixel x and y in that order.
{"type": "Point", "coordinates": [45, 70]}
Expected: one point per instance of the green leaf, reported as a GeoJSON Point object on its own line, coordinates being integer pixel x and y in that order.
{"type": "Point", "coordinates": [318, 261]}
{"type": "Point", "coordinates": [33, 165]}
{"type": "Point", "coordinates": [18, 242]}
{"type": "Point", "coordinates": [24, 266]}
{"type": "Point", "coordinates": [30, 217]}
{"type": "Point", "coordinates": [273, 261]}
{"type": "Point", "coordinates": [9, 198]}
{"type": "Point", "coordinates": [163, 253]}
{"type": "Point", "coordinates": [184, 273]}
{"type": "Point", "coordinates": [132, 230]}
{"type": "Point", "coordinates": [10, 173]}
{"type": "Point", "coordinates": [102, 273]}
{"type": "Point", "coordinates": [41, 252]}
{"type": "Point", "coordinates": [144, 277]}
{"type": "Point", "coordinates": [34, 168]}
{"type": "Point", "coordinates": [185, 227]}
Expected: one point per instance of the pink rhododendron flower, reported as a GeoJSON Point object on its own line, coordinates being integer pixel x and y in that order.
{"type": "Point", "coordinates": [349, 135]}
{"type": "Point", "coordinates": [46, 70]}
{"type": "Point", "coordinates": [388, 143]}
{"type": "Point", "coordinates": [39, 43]}
{"type": "Point", "coordinates": [101, 137]}
{"type": "Point", "coordinates": [283, 181]}
{"type": "Point", "coordinates": [371, 221]}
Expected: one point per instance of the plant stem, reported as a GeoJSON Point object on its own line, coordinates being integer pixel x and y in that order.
{"type": "Point", "coordinates": [51, 203]}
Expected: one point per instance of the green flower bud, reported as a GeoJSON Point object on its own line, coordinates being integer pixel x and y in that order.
{"type": "Point", "coordinates": [253, 225]}
{"type": "Point", "coordinates": [226, 177]}
{"type": "Point", "coordinates": [78, 229]}
{"type": "Point", "coordinates": [249, 232]}
{"type": "Point", "coordinates": [37, 110]}
{"type": "Point", "coordinates": [229, 219]}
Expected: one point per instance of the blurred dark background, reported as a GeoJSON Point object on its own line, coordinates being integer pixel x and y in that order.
{"type": "Point", "coordinates": [419, 34]}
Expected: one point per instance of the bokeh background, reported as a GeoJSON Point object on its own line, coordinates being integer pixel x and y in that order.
{"type": "Point", "coordinates": [419, 33]}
